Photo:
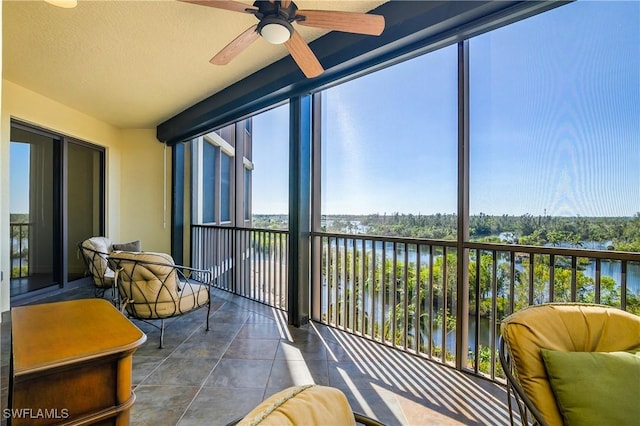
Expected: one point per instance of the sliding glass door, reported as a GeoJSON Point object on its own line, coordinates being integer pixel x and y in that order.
{"type": "Point", "coordinates": [84, 201]}
{"type": "Point", "coordinates": [57, 199]}
{"type": "Point", "coordinates": [33, 218]}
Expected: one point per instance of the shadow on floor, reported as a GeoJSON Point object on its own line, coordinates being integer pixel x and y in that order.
{"type": "Point", "coordinates": [251, 353]}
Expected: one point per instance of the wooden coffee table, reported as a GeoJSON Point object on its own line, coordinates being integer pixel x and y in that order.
{"type": "Point", "coordinates": [71, 362]}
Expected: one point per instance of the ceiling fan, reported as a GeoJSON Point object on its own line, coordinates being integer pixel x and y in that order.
{"type": "Point", "coordinates": [276, 18]}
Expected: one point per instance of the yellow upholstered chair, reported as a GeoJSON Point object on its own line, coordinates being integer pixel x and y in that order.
{"type": "Point", "coordinates": [306, 405]}
{"type": "Point", "coordinates": [153, 287]}
{"type": "Point", "coordinates": [530, 336]}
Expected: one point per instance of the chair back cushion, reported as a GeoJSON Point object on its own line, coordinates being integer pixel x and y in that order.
{"type": "Point", "coordinates": [95, 250]}
{"type": "Point", "coordinates": [149, 281]}
{"type": "Point", "coordinates": [302, 405]}
{"type": "Point", "coordinates": [131, 246]}
{"type": "Point", "coordinates": [568, 327]}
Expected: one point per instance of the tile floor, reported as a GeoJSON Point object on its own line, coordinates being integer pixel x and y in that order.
{"type": "Point", "coordinates": [250, 353]}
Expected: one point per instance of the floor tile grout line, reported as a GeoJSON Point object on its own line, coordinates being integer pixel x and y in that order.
{"type": "Point", "coordinates": [202, 385]}
{"type": "Point", "coordinates": [226, 350]}
{"type": "Point", "coordinates": [166, 357]}
{"type": "Point", "coordinates": [172, 352]}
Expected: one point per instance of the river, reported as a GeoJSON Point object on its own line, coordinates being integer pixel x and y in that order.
{"type": "Point", "coordinates": [608, 268]}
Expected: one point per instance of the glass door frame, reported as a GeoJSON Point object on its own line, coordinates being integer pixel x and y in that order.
{"type": "Point", "coordinates": [60, 202]}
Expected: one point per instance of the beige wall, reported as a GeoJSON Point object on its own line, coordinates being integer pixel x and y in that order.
{"type": "Point", "coordinates": [145, 213]}
{"type": "Point", "coordinates": [134, 160]}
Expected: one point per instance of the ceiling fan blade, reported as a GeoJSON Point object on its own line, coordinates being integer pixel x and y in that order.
{"type": "Point", "coordinates": [350, 22]}
{"type": "Point", "coordinates": [304, 57]}
{"type": "Point", "coordinates": [234, 48]}
{"type": "Point", "coordinates": [224, 4]}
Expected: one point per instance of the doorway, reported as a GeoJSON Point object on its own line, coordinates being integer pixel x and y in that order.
{"type": "Point", "coordinates": [57, 199]}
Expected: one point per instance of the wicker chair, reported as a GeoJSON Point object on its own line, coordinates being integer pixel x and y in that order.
{"type": "Point", "coordinates": [153, 287]}
{"type": "Point", "coordinates": [559, 327]}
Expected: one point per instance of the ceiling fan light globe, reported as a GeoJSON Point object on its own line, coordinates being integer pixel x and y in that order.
{"type": "Point", "coordinates": [275, 33]}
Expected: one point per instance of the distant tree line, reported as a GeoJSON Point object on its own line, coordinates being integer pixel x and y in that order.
{"type": "Point", "coordinates": [617, 233]}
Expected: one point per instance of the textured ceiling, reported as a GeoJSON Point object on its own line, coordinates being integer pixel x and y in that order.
{"type": "Point", "coordinates": [134, 64]}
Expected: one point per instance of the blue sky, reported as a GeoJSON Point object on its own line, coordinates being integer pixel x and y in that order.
{"type": "Point", "coordinates": [19, 178]}
{"type": "Point", "coordinates": [555, 125]}
{"type": "Point", "coordinates": [270, 177]}
{"type": "Point", "coordinates": [556, 100]}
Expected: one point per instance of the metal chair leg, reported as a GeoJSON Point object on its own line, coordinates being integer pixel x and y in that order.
{"type": "Point", "coordinates": [161, 333]}
{"type": "Point", "coordinates": [208, 311]}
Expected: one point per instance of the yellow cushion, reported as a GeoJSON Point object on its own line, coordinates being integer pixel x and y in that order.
{"type": "Point", "coordinates": [192, 296]}
{"type": "Point", "coordinates": [155, 282]}
{"type": "Point", "coordinates": [153, 290]}
{"type": "Point", "coordinates": [302, 405]}
{"type": "Point", "coordinates": [569, 327]}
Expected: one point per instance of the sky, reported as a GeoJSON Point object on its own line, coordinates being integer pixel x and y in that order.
{"type": "Point", "coordinates": [554, 117]}
{"type": "Point", "coordinates": [19, 178]}
{"type": "Point", "coordinates": [554, 125]}
{"type": "Point", "coordinates": [573, 134]}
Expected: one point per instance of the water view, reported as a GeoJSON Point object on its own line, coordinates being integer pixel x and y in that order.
{"type": "Point", "coordinates": [394, 278]}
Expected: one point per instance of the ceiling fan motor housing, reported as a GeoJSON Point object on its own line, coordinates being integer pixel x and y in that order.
{"type": "Point", "coordinates": [275, 9]}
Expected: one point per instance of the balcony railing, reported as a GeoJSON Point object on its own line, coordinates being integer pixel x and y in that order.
{"type": "Point", "coordinates": [403, 292]}
{"type": "Point", "coordinates": [396, 291]}
{"type": "Point", "coordinates": [19, 249]}
{"type": "Point", "coordinates": [509, 277]}
{"type": "Point", "coordinates": [248, 262]}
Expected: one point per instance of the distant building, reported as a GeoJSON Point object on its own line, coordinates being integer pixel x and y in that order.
{"type": "Point", "coordinates": [221, 176]}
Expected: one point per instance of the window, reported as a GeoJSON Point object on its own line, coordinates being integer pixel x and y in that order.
{"type": "Point", "coordinates": [389, 168]}
{"type": "Point", "coordinates": [390, 149]}
{"type": "Point", "coordinates": [270, 175]}
{"type": "Point", "coordinates": [208, 183]}
{"type": "Point", "coordinates": [554, 158]}
{"type": "Point", "coordinates": [555, 119]}
{"type": "Point", "coordinates": [225, 187]}
{"type": "Point", "coordinates": [213, 157]}
{"type": "Point", "coordinates": [247, 194]}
